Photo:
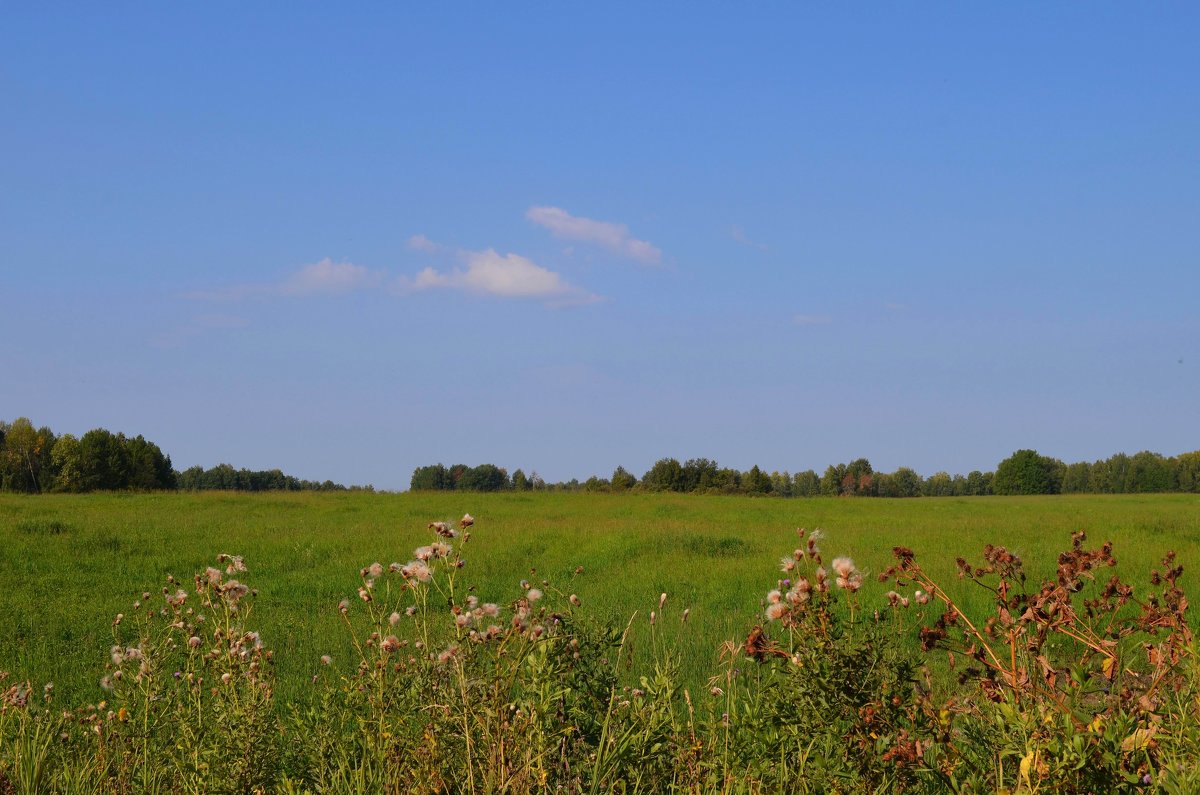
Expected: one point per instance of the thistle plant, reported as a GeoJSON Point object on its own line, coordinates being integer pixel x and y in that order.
{"type": "Point", "coordinates": [190, 705]}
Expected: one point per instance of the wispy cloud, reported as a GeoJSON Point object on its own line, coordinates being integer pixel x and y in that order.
{"type": "Point", "coordinates": [506, 276]}
{"type": "Point", "coordinates": [422, 243]}
{"type": "Point", "coordinates": [612, 236]}
{"type": "Point", "coordinates": [199, 325]}
{"type": "Point", "coordinates": [811, 320]}
{"type": "Point", "coordinates": [320, 278]}
{"type": "Point", "coordinates": [739, 234]}
{"type": "Point", "coordinates": [331, 278]}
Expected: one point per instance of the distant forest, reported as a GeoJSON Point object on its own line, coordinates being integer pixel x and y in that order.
{"type": "Point", "coordinates": [34, 460]}
{"type": "Point", "coordinates": [1024, 472]}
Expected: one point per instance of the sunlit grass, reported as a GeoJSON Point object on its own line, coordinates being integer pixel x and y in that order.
{"type": "Point", "coordinates": [70, 563]}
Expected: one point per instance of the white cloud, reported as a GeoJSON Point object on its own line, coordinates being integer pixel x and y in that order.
{"type": "Point", "coordinates": [614, 237]}
{"type": "Point", "coordinates": [812, 320]}
{"type": "Point", "coordinates": [507, 276]}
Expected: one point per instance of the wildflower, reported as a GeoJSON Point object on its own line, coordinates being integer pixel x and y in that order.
{"type": "Point", "coordinates": [822, 578]}
{"type": "Point", "coordinates": [490, 609]}
{"type": "Point", "coordinates": [423, 553]}
{"type": "Point", "coordinates": [364, 594]}
{"type": "Point", "coordinates": [441, 550]}
{"type": "Point", "coordinates": [235, 563]}
{"type": "Point", "coordinates": [687, 612]}
{"type": "Point", "coordinates": [375, 569]}
{"type": "Point", "coordinates": [462, 619]}
{"type": "Point", "coordinates": [344, 606]}
{"type": "Point", "coordinates": [117, 655]}
{"type": "Point", "coordinates": [799, 593]}
{"type": "Point", "coordinates": [776, 611]}
{"type": "Point", "coordinates": [417, 570]}
{"type": "Point", "coordinates": [390, 644]}
{"type": "Point", "coordinates": [524, 585]}
{"type": "Point", "coordinates": [326, 659]}
{"type": "Point", "coordinates": [410, 611]}
{"type": "Point", "coordinates": [573, 599]}
{"type": "Point", "coordinates": [787, 565]}
{"type": "Point", "coordinates": [394, 568]}
{"type": "Point", "coordinates": [533, 595]}
{"type": "Point", "coordinates": [442, 529]}
{"type": "Point", "coordinates": [662, 600]}
{"type": "Point", "coordinates": [843, 566]}
{"type": "Point", "coordinates": [106, 682]}
{"type": "Point", "coordinates": [212, 574]}
{"type": "Point", "coordinates": [774, 596]}
{"type": "Point", "coordinates": [851, 583]}
{"type": "Point", "coordinates": [194, 642]}
{"type": "Point", "coordinates": [893, 598]}
{"type": "Point", "coordinates": [921, 597]}
{"type": "Point", "coordinates": [472, 602]}
{"type": "Point", "coordinates": [467, 520]}
{"type": "Point", "coordinates": [447, 655]}
{"type": "Point", "coordinates": [716, 691]}
{"type": "Point", "coordinates": [652, 617]}
{"type": "Point", "coordinates": [393, 618]}
{"type": "Point", "coordinates": [122, 715]}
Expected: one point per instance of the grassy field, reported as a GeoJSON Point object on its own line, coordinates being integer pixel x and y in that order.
{"type": "Point", "coordinates": [68, 564]}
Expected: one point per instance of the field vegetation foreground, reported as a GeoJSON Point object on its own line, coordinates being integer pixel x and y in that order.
{"type": "Point", "coordinates": [71, 563]}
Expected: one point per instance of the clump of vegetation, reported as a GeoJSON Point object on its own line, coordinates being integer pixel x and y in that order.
{"type": "Point", "coordinates": [1076, 684]}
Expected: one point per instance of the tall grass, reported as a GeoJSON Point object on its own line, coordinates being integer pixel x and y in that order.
{"type": "Point", "coordinates": [1076, 681]}
{"type": "Point", "coordinates": [69, 563]}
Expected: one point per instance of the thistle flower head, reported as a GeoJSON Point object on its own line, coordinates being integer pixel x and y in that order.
{"type": "Point", "coordinates": [844, 566]}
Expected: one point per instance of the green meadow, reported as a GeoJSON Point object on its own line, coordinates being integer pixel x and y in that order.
{"type": "Point", "coordinates": [70, 563]}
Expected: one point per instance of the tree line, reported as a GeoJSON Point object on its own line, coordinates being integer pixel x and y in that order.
{"type": "Point", "coordinates": [1024, 472]}
{"type": "Point", "coordinates": [35, 460]}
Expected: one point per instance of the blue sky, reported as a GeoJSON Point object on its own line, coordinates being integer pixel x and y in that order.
{"type": "Point", "coordinates": [347, 243]}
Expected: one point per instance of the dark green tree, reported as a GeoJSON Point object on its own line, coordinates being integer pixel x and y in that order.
{"type": "Point", "coordinates": [430, 478]}
{"type": "Point", "coordinates": [806, 484]}
{"type": "Point", "coordinates": [1027, 472]}
{"type": "Point", "coordinates": [103, 461]}
{"type": "Point", "coordinates": [622, 480]}
{"type": "Point", "coordinates": [755, 481]}
{"type": "Point", "coordinates": [485, 477]}
{"type": "Point", "coordinates": [665, 475]}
